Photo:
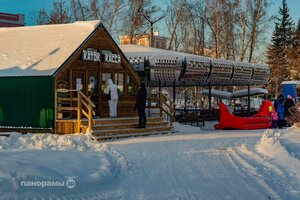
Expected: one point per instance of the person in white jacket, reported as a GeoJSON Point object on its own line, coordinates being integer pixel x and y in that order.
{"type": "Point", "coordinates": [112, 92]}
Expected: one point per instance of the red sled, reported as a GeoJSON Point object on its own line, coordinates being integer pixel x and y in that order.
{"type": "Point", "coordinates": [229, 121]}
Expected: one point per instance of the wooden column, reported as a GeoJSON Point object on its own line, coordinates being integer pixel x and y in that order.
{"type": "Point", "coordinates": [78, 112]}
{"type": "Point", "coordinates": [100, 87]}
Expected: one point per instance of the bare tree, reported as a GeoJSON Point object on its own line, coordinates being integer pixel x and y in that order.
{"type": "Point", "coordinates": [228, 35]}
{"type": "Point", "coordinates": [94, 9]}
{"type": "Point", "coordinates": [189, 33]}
{"type": "Point", "coordinates": [196, 21]}
{"type": "Point", "coordinates": [41, 17]}
{"type": "Point", "coordinates": [74, 9]}
{"type": "Point", "coordinates": [60, 14]}
{"type": "Point", "coordinates": [116, 7]}
{"type": "Point", "coordinates": [243, 15]}
{"type": "Point", "coordinates": [79, 10]}
{"type": "Point", "coordinates": [259, 17]}
{"type": "Point", "coordinates": [134, 23]}
{"type": "Point", "coordinates": [105, 10]}
{"type": "Point", "coordinates": [175, 14]}
{"type": "Point", "coordinates": [214, 21]}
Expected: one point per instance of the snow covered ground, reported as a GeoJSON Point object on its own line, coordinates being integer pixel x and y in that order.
{"type": "Point", "coordinates": [193, 163]}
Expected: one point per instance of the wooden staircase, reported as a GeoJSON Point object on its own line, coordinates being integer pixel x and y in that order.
{"type": "Point", "coordinates": [113, 128]}
{"type": "Point", "coordinates": [82, 117]}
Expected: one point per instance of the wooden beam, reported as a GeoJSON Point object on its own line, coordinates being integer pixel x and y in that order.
{"type": "Point", "coordinates": [66, 108]}
{"type": "Point", "coordinates": [60, 99]}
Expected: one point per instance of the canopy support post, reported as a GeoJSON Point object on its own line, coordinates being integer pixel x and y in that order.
{"type": "Point", "coordinates": [174, 92]}
{"type": "Point", "coordinates": [248, 107]}
{"type": "Point", "coordinates": [209, 101]}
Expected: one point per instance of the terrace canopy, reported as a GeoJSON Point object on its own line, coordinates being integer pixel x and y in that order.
{"type": "Point", "coordinates": [166, 68]}
{"type": "Point", "coordinates": [161, 67]}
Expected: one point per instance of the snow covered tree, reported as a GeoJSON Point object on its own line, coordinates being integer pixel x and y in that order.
{"type": "Point", "coordinates": [277, 53]}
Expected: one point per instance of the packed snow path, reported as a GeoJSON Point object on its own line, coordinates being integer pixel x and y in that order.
{"type": "Point", "coordinates": [206, 165]}
{"type": "Point", "coordinates": [222, 165]}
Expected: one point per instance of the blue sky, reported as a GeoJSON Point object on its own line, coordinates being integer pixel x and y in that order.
{"type": "Point", "coordinates": [28, 6]}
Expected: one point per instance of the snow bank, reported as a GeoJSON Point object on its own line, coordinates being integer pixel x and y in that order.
{"type": "Point", "coordinates": [181, 128]}
{"type": "Point", "coordinates": [42, 165]}
{"type": "Point", "coordinates": [81, 142]}
{"type": "Point", "coordinates": [269, 143]}
{"type": "Point", "coordinates": [185, 128]}
{"type": "Point", "coordinates": [291, 140]}
{"type": "Point", "coordinates": [271, 146]}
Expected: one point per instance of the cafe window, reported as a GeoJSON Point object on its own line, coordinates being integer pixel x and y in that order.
{"type": "Point", "coordinates": [105, 77]}
{"type": "Point", "coordinates": [119, 81]}
{"type": "Point", "coordinates": [131, 87]}
{"type": "Point", "coordinates": [92, 86]}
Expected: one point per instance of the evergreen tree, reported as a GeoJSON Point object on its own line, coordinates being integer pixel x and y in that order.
{"type": "Point", "coordinates": [295, 53]}
{"type": "Point", "coordinates": [278, 50]}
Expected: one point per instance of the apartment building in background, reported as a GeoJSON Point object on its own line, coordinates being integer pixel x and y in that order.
{"type": "Point", "coordinates": [144, 40]}
{"type": "Point", "coordinates": [11, 20]}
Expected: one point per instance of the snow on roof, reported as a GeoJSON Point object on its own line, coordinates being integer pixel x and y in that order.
{"type": "Point", "coordinates": [40, 50]}
{"type": "Point", "coordinates": [290, 82]}
{"type": "Point", "coordinates": [237, 94]}
{"type": "Point", "coordinates": [253, 91]}
{"type": "Point", "coordinates": [141, 51]}
{"type": "Point", "coordinates": [217, 93]}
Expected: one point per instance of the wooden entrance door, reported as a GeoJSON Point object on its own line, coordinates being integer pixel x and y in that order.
{"type": "Point", "coordinates": [93, 91]}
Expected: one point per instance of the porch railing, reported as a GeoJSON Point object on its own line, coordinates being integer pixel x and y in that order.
{"type": "Point", "coordinates": [165, 106]}
{"type": "Point", "coordinates": [64, 101]}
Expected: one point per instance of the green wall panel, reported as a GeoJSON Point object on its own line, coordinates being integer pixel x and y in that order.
{"type": "Point", "coordinates": [27, 102]}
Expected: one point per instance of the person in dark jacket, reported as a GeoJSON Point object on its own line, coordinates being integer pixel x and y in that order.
{"type": "Point", "coordinates": [140, 105]}
{"type": "Point", "coordinates": [288, 104]}
{"type": "Point", "coordinates": [279, 107]}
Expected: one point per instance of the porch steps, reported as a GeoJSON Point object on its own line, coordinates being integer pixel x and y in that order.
{"type": "Point", "coordinates": [114, 128]}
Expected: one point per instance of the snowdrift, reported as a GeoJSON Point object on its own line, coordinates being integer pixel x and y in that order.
{"type": "Point", "coordinates": [273, 146]}
{"type": "Point", "coordinates": [43, 159]}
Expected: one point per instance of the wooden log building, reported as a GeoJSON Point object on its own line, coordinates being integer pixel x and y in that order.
{"type": "Point", "coordinates": [50, 75]}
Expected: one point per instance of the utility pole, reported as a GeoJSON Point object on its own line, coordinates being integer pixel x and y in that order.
{"type": "Point", "coordinates": [151, 26]}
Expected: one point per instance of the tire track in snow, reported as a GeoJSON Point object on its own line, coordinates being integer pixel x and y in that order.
{"type": "Point", "coordinates": [179, 181]}
{"type": "Point", "coordinates": [282, 178]}
{"type": "Point", "coordinates": [249, 169]}
{"type": "Point", "coordinates": [259, 159]}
